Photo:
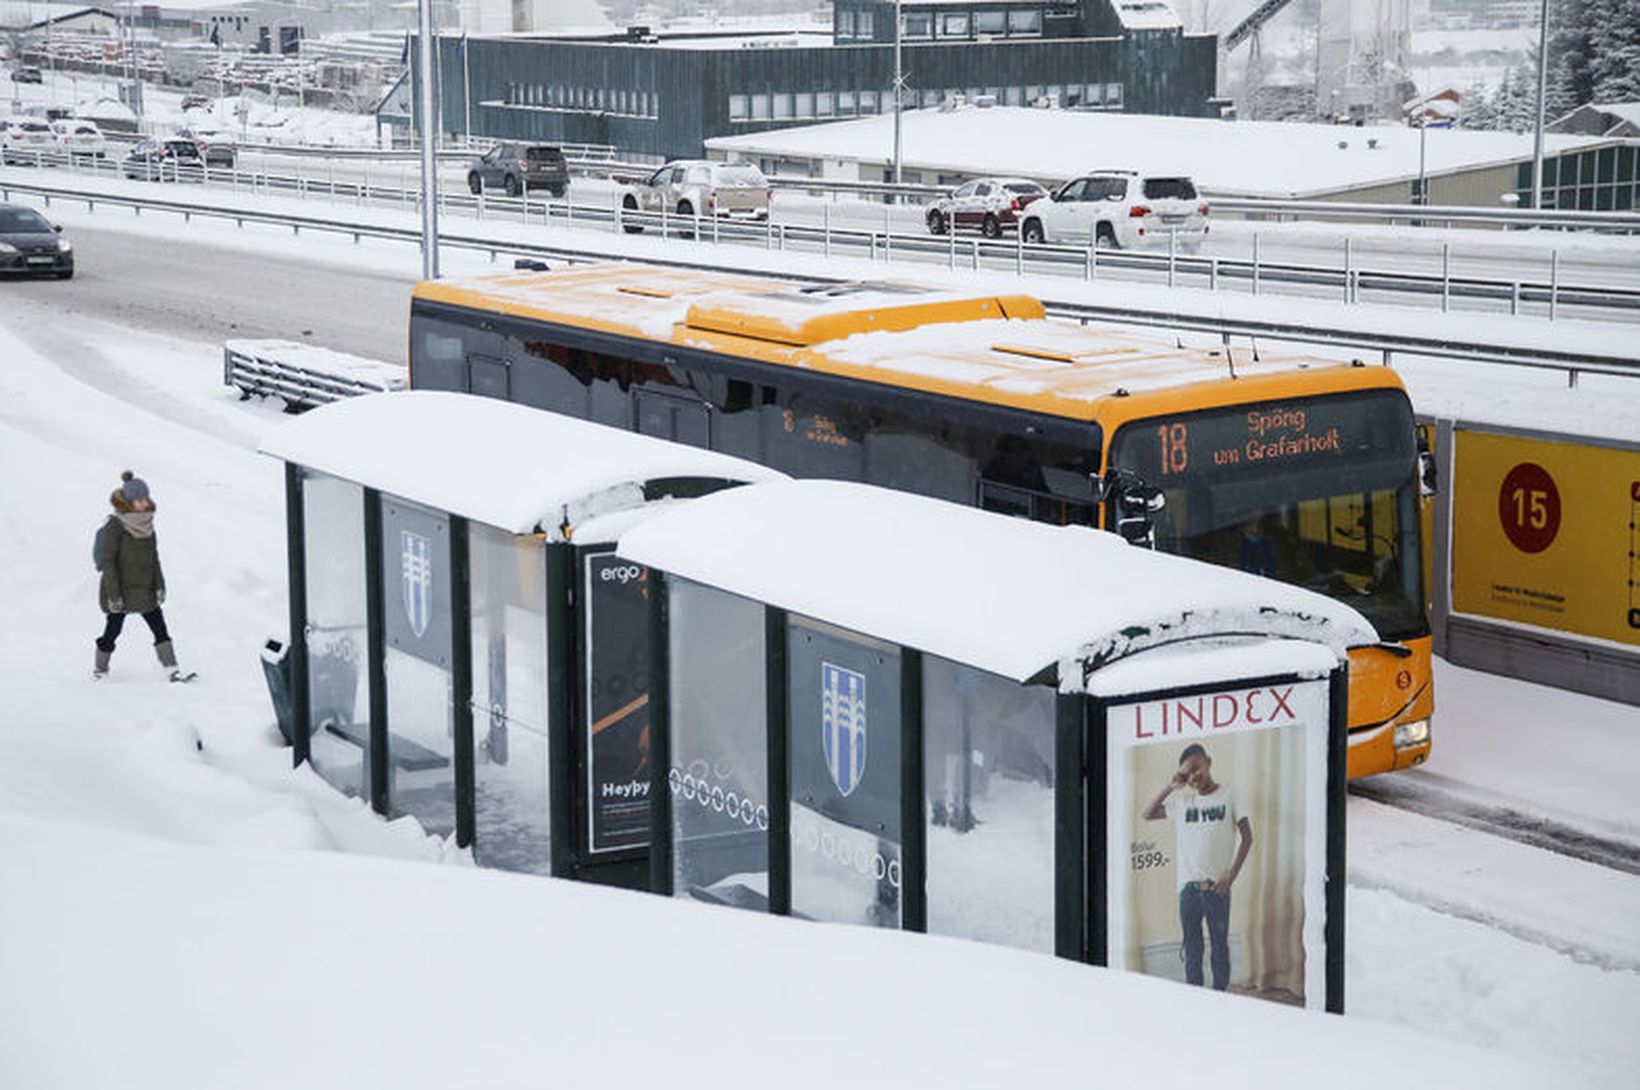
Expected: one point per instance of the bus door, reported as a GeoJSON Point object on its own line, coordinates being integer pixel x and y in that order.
{"type": "Point", "coordinates": [669, 416]}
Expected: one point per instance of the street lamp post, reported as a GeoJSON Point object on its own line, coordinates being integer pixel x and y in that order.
{"type": "Point", "coordinates": [429, 164]}
{"type": "Point", "coordinates": [1423, 174]}
{"type": "Point", "coordinates": [899, 82]}
{"type": "Point", "coordinates": [1543, 85]}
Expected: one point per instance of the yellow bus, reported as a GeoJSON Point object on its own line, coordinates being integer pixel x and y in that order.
{"type": "Point", "coordinates": [1299, 469]}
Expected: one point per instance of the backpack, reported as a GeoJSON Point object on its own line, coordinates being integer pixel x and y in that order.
{"type": "Point", "coordinates": [96, 545]}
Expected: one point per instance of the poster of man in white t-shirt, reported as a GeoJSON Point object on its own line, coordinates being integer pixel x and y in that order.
{"type": "Point", "coordinates": [1212, 837]}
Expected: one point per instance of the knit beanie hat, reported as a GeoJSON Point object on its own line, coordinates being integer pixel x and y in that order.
{"type": "Point", "coordinates": [135, 488]}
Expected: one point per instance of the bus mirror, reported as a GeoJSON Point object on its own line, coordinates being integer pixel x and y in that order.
{"type": "Point", "coordinates": [1428, 482]}
{"type": "Point", "coordinates": [1135, 505]}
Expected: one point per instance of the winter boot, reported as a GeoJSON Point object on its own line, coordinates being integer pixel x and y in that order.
{"type": "Point", "coordinates": [168, 659]}
{"type": "Point", "coordinates": [100, 670]}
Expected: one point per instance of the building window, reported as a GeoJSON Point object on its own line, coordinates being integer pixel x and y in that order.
{"type": "Point", "coordinates": [760, 107]}
{"type": "Point", "coordinates": [990, 22]}
{"type": "Point", "coordinates": [740, 108]}
{"type": "Point", "coordinates": [1033, 91]}
{"type": "Point", "coordinates": [868, 102]}
{"type": "Point", "coordinates": [845, 103]}
{"type": "Point", "coordinates": [954, 24]}
{"type": "Point", "coordinates": [865, 25]}
{"type": "Point", "coordinates": [845, 23]}
{"type": "Point", "coordinates": [1025, 21]}
{"type": "Point", "coordinates": [803, 104]}
{"type": "Point", "coordinates": [918, 24]}
{"type": "Point", "coordinates": [782, 107]}
{"type": "Point", "coordinates": [1113, 95]}
{"type": "Point", "coordinates": [825, 104]}
{"type": "Point", "coordinates": [1056, 92]}
{"type": "Point", "coordinates": [1014, 96]}
{"type": "Point", "coordinates": [930, 97]}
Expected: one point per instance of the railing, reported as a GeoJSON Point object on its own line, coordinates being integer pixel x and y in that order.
{"type": "Point", "coordinates": [303, 375]}
{"type": "Point", "coordinates": [1170, 312]}
{"type": "Point", "coordinates": [1429, 214]}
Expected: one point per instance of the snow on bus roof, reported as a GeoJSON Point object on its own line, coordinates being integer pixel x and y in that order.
{"type": "Point", "coordinates": [1006, 595]}
{"type": "Point", "coordinates": [1032, 358]}
{"type": "Point", "coordinates": [505, 465]}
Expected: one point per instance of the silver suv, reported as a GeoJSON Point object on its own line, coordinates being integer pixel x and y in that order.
{"type": "Point", "coordinates": [1120, 208]}
{"type": "Point", "coordinates": [700, 187]}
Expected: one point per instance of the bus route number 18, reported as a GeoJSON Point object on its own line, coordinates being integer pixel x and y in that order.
{"type": "Point", "coordinates": [1175, 447]}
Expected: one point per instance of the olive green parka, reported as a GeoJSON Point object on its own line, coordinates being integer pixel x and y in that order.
{"type": "Point", "coordinates": [128, 557]}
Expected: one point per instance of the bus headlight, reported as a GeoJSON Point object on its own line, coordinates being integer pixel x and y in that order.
{"type": "Point", "coordinates": [1411, 734]}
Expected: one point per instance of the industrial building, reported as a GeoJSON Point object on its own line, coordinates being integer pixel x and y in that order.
{"type": "Point", "coordinates": [1282, 160]}
{"type": "Point", "coordinates": [662, 95]}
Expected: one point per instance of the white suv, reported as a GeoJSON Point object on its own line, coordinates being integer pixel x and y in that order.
{"type": "Point", "coordinates": [699, 187]}
{"type": "Point", "coordinates": [1122, 209]}
{"type": "Point", "coordinates": [77, 136]}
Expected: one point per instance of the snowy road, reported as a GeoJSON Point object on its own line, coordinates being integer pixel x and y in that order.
{"type": "Point", "coordinates": [1483, 939]}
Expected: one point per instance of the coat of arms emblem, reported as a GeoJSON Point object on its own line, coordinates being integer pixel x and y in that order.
{"type": "Point", "coordinates": [843, 725]}
{"type": "Point", "coordinates": [416, 565]}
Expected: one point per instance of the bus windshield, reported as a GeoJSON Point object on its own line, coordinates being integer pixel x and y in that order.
{"type": "Point", "coordinates": [1318, 492]}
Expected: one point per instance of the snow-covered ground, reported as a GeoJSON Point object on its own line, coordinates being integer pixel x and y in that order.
{"type": "Point", "coordinates": [181, 908]}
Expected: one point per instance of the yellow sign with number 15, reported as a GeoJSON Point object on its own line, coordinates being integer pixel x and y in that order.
{"type": "Point", "coordinates": [1544, 533]}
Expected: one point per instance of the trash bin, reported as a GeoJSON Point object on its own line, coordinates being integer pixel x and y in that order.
{"type": "Point", "coordinates": [276, 668]}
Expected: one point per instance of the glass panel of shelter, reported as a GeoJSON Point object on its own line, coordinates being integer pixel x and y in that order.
{"type": "Point", "coordinates": [509, 703]}
{"type": "Point", "coordinates": [418, 656]}
{"type": "Point", "coordinates": [718, 735]}
{"type": "Point", "coordinates": [333, 513]}
{"type": "Point", "coordinates": [988, 774]}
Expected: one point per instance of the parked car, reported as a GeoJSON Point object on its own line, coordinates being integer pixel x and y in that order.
{"type": "Point", "coordinates": [168, 160]}
{"type": "Point", "coordinates": [76, 136]}
{"type": "Point", "coordinates": [27, 74]}
{"type": "Point", "coordinates": [519, 167]}
{"type": "Point", "coordinates": [990, 205]}
{"type": "Point", "coordinates": [216, 146]}
{"type": "Point", "coordinates": [26, 140]}
{"type": "Point", "coordinates": [31, 244]}
{"type": "Point", "coordinates": [690, 187]}
{"type": "Point", "coordinates": [195, 101]}
{"type": "Point", "coordinates": [1120, 208]}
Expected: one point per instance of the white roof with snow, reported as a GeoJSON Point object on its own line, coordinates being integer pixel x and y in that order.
{"type": "Point", "coordinates": [1005, 595]}
{"type": "Point", "coordinates": [1226, 158]}
{"type": "Point", "coordinates": [505, 465]}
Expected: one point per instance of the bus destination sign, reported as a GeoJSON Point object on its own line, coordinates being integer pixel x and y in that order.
{"type": "Point", "coordinates": [1273, 435]}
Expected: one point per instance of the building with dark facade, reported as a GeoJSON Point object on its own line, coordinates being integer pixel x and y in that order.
{"type": "Point", "coordinates": [662, 95]}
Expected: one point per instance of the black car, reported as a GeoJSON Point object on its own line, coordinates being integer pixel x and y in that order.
{"type": "Point", "coordinates": [517, 167]}
{"type": "Point", "coordinates": [29, 243]}
{"type": "Point", "coordinates": [27, 74]}
{"type": "Point", "coordinates": [164, 160]}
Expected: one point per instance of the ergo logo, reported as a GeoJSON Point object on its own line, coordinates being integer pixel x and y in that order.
{"type": "Point", "coordinates": [623, 574]}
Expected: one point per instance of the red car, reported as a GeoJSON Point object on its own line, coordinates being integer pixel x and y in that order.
{"type": "Point", "coordinates": [989, 205]}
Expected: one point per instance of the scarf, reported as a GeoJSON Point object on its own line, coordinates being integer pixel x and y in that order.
{"type": "Point", "coordinates": [138, 524]}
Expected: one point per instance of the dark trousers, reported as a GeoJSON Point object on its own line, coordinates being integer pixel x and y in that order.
{"type": "Point", "coordinates": [1197, 904]}
{"type": "Point", "coordinates": [116, 621]}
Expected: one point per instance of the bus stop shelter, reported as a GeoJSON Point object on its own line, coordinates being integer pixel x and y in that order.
{"type": "Point", "coordinates": [876, 708]}
{"type": "Point", "coordinates": [465, 646]}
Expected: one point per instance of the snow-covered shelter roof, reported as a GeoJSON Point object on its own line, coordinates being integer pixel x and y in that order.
{"type": "Point", "coordinates": [1006, 595]}
{"type": "Point", "coordinates": [1226, 158]}
{"type": "Point", "coordinates": [495, 462]}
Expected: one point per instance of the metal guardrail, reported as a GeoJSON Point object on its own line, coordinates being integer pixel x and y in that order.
{"type": "Point", "coordinates": [1206, 318]}
{"type": "Point", "coordinates": [1431, 214]}
{"type": "Point", "coordinates": [303, 375]}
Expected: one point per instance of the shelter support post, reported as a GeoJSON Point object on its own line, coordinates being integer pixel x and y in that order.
{"type": "Point", "coordinates": [461, 680]}
{"type": "Point", "coordinates": [376, 650]}
{"type": "Point", "coordinates": [780, 778]}
{"type": "Point", "coordinates": [660, 737]}
{"type": "Point", "coordinates": [1071, 810]}
{"type": "Point", "coordinates": [301, 704]}
{"type": "Point", "coordinates": [913, 833]}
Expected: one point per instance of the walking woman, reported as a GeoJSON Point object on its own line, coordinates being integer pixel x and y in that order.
{"type": "Point", "coordinates": [132, 582]}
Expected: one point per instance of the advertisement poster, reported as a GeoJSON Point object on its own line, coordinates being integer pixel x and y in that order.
{"type": "Point", "coordinates": [616, 665]}
{"type": "Point", "coordinates": [1544, 534]}
{"type": "Point", "coordinates": [1217, 845]}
